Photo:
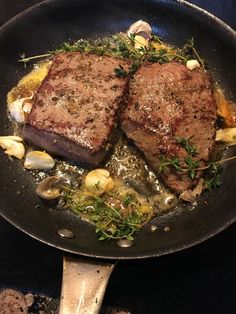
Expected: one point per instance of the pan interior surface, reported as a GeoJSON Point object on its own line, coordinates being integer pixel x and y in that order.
{"type": "Point", "coordinates": [45, 27]}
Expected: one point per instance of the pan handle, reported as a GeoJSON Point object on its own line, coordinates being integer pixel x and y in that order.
{"type": "Point", "coordinates": [83, 285]}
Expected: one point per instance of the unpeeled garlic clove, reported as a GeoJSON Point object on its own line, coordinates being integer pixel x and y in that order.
{"type": "Point", "coordinates": [38, 160]}
{"type": "Point", "coordinates": [191, 195]}
{"type": "Point", "coordinates": [20, 108]}
{"type": "Point", "coordinates": [227, 135]}
{"type": "Point", "coordinates": [142, 32]}
{"type": "Point", "coordinates": [13, 146]}
{"type": "Point", "coordinates": [48, 188]}
{"type": "Point", "coordinates": [140, 28]}
{"type": "Point", "coordinates": [98, 181]}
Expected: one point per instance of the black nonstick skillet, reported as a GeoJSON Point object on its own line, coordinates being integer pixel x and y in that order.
{"type": "Point", "coordinates": [46, 26]}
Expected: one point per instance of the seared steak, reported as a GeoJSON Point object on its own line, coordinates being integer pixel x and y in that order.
{"type": "Point", "coordinates": [169, 103]}
{"type": "Point", "coordinates": [75, 109]}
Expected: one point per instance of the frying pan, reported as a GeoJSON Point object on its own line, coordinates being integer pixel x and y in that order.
{"type": "Point", "coordinates": [45, 27]}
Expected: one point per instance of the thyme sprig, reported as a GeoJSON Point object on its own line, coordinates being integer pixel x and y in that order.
{"type": "Point", "coordinates": [121, 72]}
{"type": "Point", "coordinates": [218, 162]}
{"type": "Point", "coordinates": [167, 162]}
{"type": "Point", "coordinates": [192, 167]}
{"type": "Point", "coordinates": [185, 143]}
{"type": "Point", "coordinates": [115, 216]}
{"type": "Point", "coordinates": [121, 46]}
{"type": "Point", "coordinates": [213, 177]}
{"type": "Point", "coordinates": [25, 59]}
{"type": "Point", "coordinates": [190, 52]}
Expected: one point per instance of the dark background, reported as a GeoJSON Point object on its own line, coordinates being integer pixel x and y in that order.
{"type": "Point", "coordinates": [199, 280]}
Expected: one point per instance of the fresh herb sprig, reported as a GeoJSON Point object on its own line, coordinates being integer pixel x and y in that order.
{"type": "Point", "coordinates": [118, 221]}
{"type": "Point", "coordinates": [185, 143]}
{"type": "Point", "coordinates": [213, 176]}
{"type": "Point", "coordinates": [25, 59]}
{"type": "Point", "coordinates": [192, 167]}
{"type": "Point", "coordinates": [167, 162]}
{"type": "Point", "coordinates": [121, 46]}
{"type": "Point", "coordinates": [189, 51]}
{"type": "Point", "coordinates": [121, 72]}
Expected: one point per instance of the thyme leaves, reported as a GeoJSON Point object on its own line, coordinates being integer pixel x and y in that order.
{"type": "Point", "coordinates": [213, 169]}
{"type": "Point", "coordinates": [185, 143]}
{"type": "Point", "coordinates": [114, 216]}
{"type": "Point", "coordinates": [189, 51]}
{"type": "Point", "coordinates": [213, 177]}
{"type": "Point", "coordinates": [122, 46]}
{"type": "Point", "coordinates": [120, 72]}
{"type": "Point", "coordinates": [192, 166]}
{"type": "Point", "coordinates": [167, 162]}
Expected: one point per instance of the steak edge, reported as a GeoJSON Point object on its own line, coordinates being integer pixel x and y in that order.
{"type": "Point", "coordinates": [76, 107]}
{"type": "Point", "coordinates": [168, 101]}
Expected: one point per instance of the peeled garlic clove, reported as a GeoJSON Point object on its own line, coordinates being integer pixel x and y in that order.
{"type": "Point", "coordinates": [38, 160]}
{"type": "Point", "coordinates": [192, 64]}
{"type": "Point", "coordinates": [20, 108]}
{"type": "Point", "coordinates": [226, 135]}
{"type": "Point", "coordinates": [48, 188]}
{"type": "Point", "coordinates": [140, 27]}
{"type": "Point", "coordinates": [13, 146]}
{"type": "Point", "coordinates": [98, 181]}
{"type": "Point", "coordinates": [12, 138]}
{"type": "Point", "coordinates": [27, 107]}
{"type": "Point", "coordinates": [140, 42]}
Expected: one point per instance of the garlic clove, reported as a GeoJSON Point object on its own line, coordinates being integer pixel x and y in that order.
{"type": "Point", "coordinates": [27, 107]}
{"type": "Point", "coordinates": [192, 64]}
{"type": "Point", "coordinates": [98, 181]}
{"type": "Point", "coordinates": [38, 160]}
{"type": "Point", "coordinates": [140, 42]}
{"type": "Point", "coordinates": [227, 135]}
{"type": "Point", "coordinates": [48, 188]}
{"type": "Point", "coordinates": [19, 109]}
{"type": "Point", "coordinates": [140, 27]}
{"type": "Point", "coordinates": [13, 146]}
{"type": "Point", "coordinates": [191, 195]}
{"type": "Point", "coordinates": [12, 138]}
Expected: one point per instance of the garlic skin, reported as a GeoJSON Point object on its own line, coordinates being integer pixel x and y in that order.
{"type": "Point", "coordinates": [227, 135]}
{"type": "Point", "coordinates": [142, 32]}
{"type": "Point", "coordinates": [38, 160]}
{"type": "Point", "coordinates": [98, 181]}
{"type": "Point", "coordinates": [13, 146]}
{"type": "Point", "coordinates": [47, 188]}
{"type": "Point", "coordinates": [192, 64]}
{"type": "Point", "coordinates": [19, 109]}
{"type": "Point", "coordinates": [140, 27]}
{"type": "Point", "coordinates": [191, 195]}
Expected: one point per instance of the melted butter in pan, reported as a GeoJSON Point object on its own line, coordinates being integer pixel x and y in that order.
{"type": "Point", "coordinates": [30, 82]}
{"type": "Point", "coordinates": [128, 165]}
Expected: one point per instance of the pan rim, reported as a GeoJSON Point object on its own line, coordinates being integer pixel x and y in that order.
{"type": "Point", "coordinates": [125, 257]}
{"type": "Point", "coordinates": [180, 2]}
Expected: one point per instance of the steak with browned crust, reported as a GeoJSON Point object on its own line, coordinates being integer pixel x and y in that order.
{"type": "Point", "coordinates": [76, 107]}
{"type": "Point", "coordinates": [167, 103]}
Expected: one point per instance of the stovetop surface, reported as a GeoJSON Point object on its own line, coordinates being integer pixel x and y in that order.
{"type": "Point", "coordinates": [198, 280]}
